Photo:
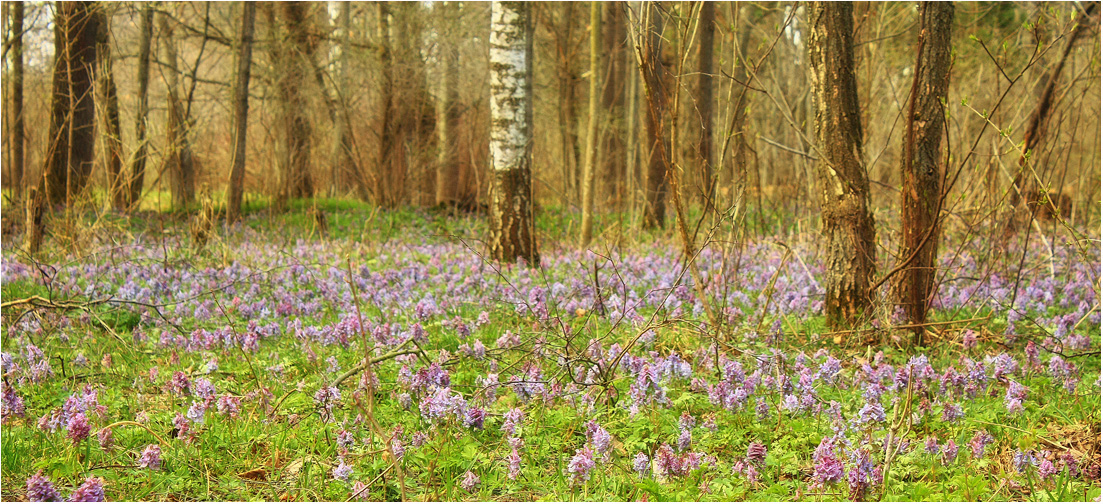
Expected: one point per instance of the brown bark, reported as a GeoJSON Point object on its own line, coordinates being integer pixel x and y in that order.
{"type": "Point", "coordinates": [512, 226]}
{"type": "Point", "coordinates": [348, 170]}
{"type": "Point", "coordinates": [69, 156]}
{"type": "Point", "coordinates": [297, 177]}
{"type": "Point", "coordinates": [651, 66]}
{"type": "Point", "coordinates": [1026, 180]}
{"type": "Point", "coordinates": [112, 131]}
{"type": "Point", "coordinates": [447, 181]}
{"type": "Point", "coordinates": [567, 79]}
{"type": "Point", "coordinates": [612, 103]}
{"type": "Point", "coordinates": [922, 172]}
{"type": "Point", "coordinates": [15, 113]}
{"type": "Point", "coordinates": [705, 101]}
{"type": "Point", "coordinates": [385, 165]}
{"type": "Point", "coordinates": [847, 222]}
{"type": "Point", "coordinates": [178, 153]}
{"type": "Point", "coordinates": [241, 110]}
{"type": "Point", "coordinates": [591, 127]}
{"type": "Point", "coordinates": [138, 165]}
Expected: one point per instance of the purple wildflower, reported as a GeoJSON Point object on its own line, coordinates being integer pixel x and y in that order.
{"type": "Point", "coordinates": [511, 420]}
{"type": "Point", "coordinates": [1046, 469]}
{"type": "Point", "coordinates": [474, 417]}
{"type": "Point", "coordinates": [40, 489]}
{"type": "Point", "coordinates": [106, 438]}
{"type": "Point", "coordinates": [952, 413]}
{"type": "Point", "coordinates": [949, 452]}
{"type": "Point", "coordinates": [756, 452]}
{"type": "Point", "coordinates": [684, 440]}
{"type": "Point", "coordinates": [78, 428]}
{"type": "Point", "coordinates": [513, 463]}
{"type": "Point", "coordinates": [179, 384]}
{"type": "Point", "coordinates": [12, 403]}
{"type": "Point", "coordinates": [828, 468]}
{"type": "Point", "coordinates": [1023, 461]}
{"type": "Point", "coordinates": [151, 458]}
{"type": "Point", "coordinates": [90, 491]}
{"type": "Point", "coordinates": [229, 405]}
{"type": "Point", "coordinates": [579, 467]}
{"type": "Point", "coordinates": [641, 464]}
{"type": "Point", "coordinates": [345, 440]}
{"type": "Point", "coordinates": [342, 471]}
{"type": "Point", "coordinates": [1013, 399]}
{"type": "Point", "coordinates": [980, 440]}
{"type": "Point", "coordinates": [762, 408]}
{"type": "Point", "coordinates": [872, 412]}
{"type": "Point", "coordinates": [470, 481]}
{"type": "Point", "coordinates": [599, 438]}
{"type": "Point", "coordinates": [931, 446]}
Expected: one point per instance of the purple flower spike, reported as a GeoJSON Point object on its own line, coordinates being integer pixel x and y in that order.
{"type": "Point", "coordinates": [151, 458]}
{"type": "Point", "coordinates": [40, 489]}
{"type": "Point", "coordinates": [580, 465]}
{"type": "Point", "coordinates": [90, 491]}
{"type": "Point", "coordinates": [756, 452]}
{"type": "Point", "coordinates": [470, 481]}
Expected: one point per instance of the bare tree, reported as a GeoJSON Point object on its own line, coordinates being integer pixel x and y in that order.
{"type": "Point", "coordinates": [15, 113]}
{"type": "Point", "coordinates": [614, 131]}
{"type": "Point", "coordinates": [1027, 183]}
{"type": "Point", "coordinates": [178, 155]}
{"type": "Point", "coordinates": [705, 102]}
{"type": "Point", "coordinates": [241, 110]}
{"type": "Point", "coordinates": [447, 180]}
{"type": "Point", "coordinates": [591, 127]}
{"type": "Point", "coordinates": [72, 122]}
{"type": "Point", "coordinates": [847, 222]}
{"type": "Point", "coordinates": [109, 110]}
{"type": "Point", "coordinates": [512, 230]}
{"type": "Point", "coordinates": [296, 60]}
{"type": "Point", "coordinates": [385, 165]}
{"type": "Point", "coordinates": [138, 164]}
{"type": "Point", "coordinates": [922, 171]}
{"type": "Point", "coordinates": [649, 55]}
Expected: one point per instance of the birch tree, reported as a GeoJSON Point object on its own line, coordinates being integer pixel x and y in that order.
{"type": "Point", "coordinates": [512, 230]}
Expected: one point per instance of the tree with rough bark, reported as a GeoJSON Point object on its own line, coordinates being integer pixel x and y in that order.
{"type": "Point", "coordinates": [178, 152]}
{"type": "Point", "coordinates": [922, 171]}
{"type": "Point", "coordinates": [848, 231]}
{"type": "Point", "coordinates": [447, 179]}
{"type": "Point", "coordinates": [649, 56]}
{"type": "Point", "coordinates": [69, 156]}
{"type": "Point", "coordinates": [591, 127]}
{"type": "Point", "coordinates": [111, 132]}
{"type": "Point", "coordinates": [613, 129]}
{"type": "Point", "coordinates": [138, 163]}
{"type": "Point", "coordinates": [16, 132]}
{"type": "Point", "coordinates": [241, 110]}
{"type": "Point", "coordinates": [705, 102]}
{"type": "Point", "coordinates": [512, 227]}
{"type": "Point", "coordinates": [298, 52]}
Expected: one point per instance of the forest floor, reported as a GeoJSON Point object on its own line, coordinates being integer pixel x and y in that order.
{"type": "Point", "coordinates": [135, 360]}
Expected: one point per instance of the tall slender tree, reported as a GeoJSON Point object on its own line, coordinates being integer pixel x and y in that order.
{"type": "Point", "coordinates": [15, 113]}
{"type": "Point", "coordinates": [591, 127]}
{"type": "Point", "coordinates": [649, 55]}
{"type": "Point", "coordinates": [385, 164]}
{"type": "Point", "coordinates": [109, 110]}
{"type": "Point", "coordinates": [705, 102]}
{"type": "Point", "coordinates": [72, 118]}
{"type": "Point", "coordinates": [921, 168]}
{"type": "Point", "coordinates": [447, 180]}
{"type": "Point", "coordinates": [614, 130]}
{"type": "Point", "coordinates": [241, 110]}
{"type": "Point", "coordinates": [181, 164]}
{"type": "Point", "coordinates": [138, 163]}
{"type": "Point", "coordinates": [512, 229]}
{"type": "Point", "coordinates": [298, 54]}
{"type": "Point", "coordinates": [847, 221]}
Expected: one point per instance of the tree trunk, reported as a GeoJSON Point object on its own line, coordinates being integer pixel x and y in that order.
{"type": "Point", "coordinates": [15, 114]}
{"type": "Point", "coordinates": [447, 190]}
{"type": "Point", "coordinates": [348, 170]}
{"type": "Point", "coordinates": [69, 157]}
{"type": "Point", "coordinates": [847, 221]}
{"type": "Point", "coordinates": [138, 165]}
{"type": "Point", "coordinates": [178, 155]}
{"type": "Point", "coordinates": [298, 181]}
{"type": "Point", "coordinates": [385, 165]}
{"type": "Point", "coordinates": [591, 127]}
{"type": "Point", "coordinates": [241, 111]}
{"type": "Point", "coordinates": [112, 131]}
{"type": "Point", "coordinates": [568, 108]}
{"type": "Point", "coordinates": [922, 172]}
{"type": "Point", "coordinates": [651, 66]}
{"type": "Point", "coordinates": [1026, 187]}
{"type": "Point", "coordinates": [705, 101]}
{"type": "Point", "coordinates": [512, 229]}
{"type": "Point", "coordinates": [612, 102]}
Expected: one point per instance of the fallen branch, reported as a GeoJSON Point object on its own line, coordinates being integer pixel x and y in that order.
{"type": "Point", "coordinates": [361, 366]}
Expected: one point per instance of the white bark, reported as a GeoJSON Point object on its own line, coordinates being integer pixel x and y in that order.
{"type": "Point", "coordinates": [509, 135]}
